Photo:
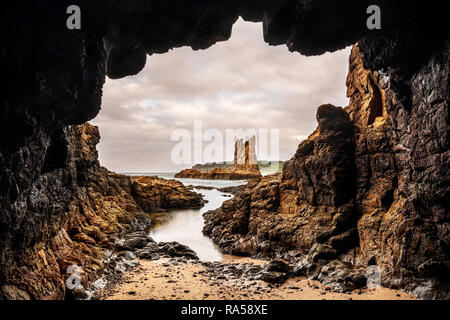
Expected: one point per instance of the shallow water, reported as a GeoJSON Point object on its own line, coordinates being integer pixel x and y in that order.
{"type": "Point", "coordinates": [185, 226]}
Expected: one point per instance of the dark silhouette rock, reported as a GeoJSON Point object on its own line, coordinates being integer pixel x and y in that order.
{"type": "Point", "coordinates": [103, 206]}
{"type": "Point", "coordinates": [52, 79]}
{"type": "Point", "coordinates": [244, 165]}
{"type": "Point", "coordinates": [312, 199]}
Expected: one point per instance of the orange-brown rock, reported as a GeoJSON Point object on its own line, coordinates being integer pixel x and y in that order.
{"type": "Point", "coordinates": [244, 165]}
{"type": "Point", "coordinates": [236, 172]}
{"type": "Point", "coordinates": [105, 207]}
{"type": "Point", "coordinates": [152, 193]}
{"type": "Point", "coordinates": [50, 83]}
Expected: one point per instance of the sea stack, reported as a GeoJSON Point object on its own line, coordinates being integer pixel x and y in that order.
{"type": "Point", "coordinates": [244, 165]}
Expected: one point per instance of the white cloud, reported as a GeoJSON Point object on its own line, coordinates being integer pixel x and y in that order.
{"type": "Point", "coordinates": [241, 83]}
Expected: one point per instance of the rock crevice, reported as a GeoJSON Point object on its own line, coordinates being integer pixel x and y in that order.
{"type": "Point", "coordinates": [52, 79]}
{"type": "Point", "coordinates": [369, 184]}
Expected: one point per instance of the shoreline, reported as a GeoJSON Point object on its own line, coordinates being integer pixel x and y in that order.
{"type": "Point", "coordinates": [172, 278]}
{"type": "Point", "coordinates": [168, 279]}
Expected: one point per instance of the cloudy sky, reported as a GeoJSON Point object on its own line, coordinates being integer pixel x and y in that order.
{"type": "Point", "coordinates": [239, 84]}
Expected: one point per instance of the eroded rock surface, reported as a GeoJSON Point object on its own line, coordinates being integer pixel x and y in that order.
{"type": "Point", "coordinates": [244, 165]}
{"type": "Point", "coordinates": [52, 79]}
{"type": "Point", "coordinates": [368, 187]}
{"type": "Point", "coordinates": [103, 207]}
{"type": "Point", "coordinates": [239, 172]}
{"type": "Point", "coordinates": [311, 200]}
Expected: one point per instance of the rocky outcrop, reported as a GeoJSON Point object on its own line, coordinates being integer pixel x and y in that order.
{"type": "Point", "coordinates": [235, 173]}
{"type": "Point", "coordinates": [152, 194]}
{"type": "Point", "coordinates": [104, 207]}
{"type": "Point", "coordinates": [368, 187]}
{"type": "Point", "coordinates": [244, 165]}
{"type": "Point", "coordinates": [312, 199]}
{"type": "Point", "coordinates": [402, 154]}
{"type": "Point", "coordinates": [52, 78]}
{"type": "Point", "coordinates": [245, 152]}
{"type": "Point", "coordinates": [210, 166]}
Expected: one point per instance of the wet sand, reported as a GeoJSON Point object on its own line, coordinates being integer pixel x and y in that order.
{"type": "Point", "coordinates": [165, 280]}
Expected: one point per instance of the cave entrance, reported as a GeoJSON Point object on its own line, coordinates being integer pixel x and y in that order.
{"type": "Point", "coordinates": [376, 106]}
{"type": "Point", "coordinates": [241, 83]}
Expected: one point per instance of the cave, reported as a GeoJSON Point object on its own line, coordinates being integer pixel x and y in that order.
{"type": "Point", "coordinates": [52, 80]}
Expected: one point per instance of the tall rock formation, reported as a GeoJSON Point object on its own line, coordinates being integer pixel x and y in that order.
{"type": "Point", "coordinates": [239, 152]}
{"type": "Point", "coordinates": [250, 151]}
{"type": "Point", "coordinates": [104, 207]}
{"type": "Point", "coordinates": [245, 152]}
{"type": "Point", "coordinates": [370, 184]}
{"type": "Point", "coordinates": [402, 161]}
{"type": "Point", "coordinates": [244, 165]}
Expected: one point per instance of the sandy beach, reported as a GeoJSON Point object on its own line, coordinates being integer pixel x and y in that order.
{"type": "Point", "coordinates": [167, 280]}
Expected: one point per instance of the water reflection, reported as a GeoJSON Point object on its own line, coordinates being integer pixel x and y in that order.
{"type": "Point", "coordinates": [185, 226]}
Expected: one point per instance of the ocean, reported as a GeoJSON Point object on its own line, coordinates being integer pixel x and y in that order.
{"type": "Point", "coordinates": [185, 225]}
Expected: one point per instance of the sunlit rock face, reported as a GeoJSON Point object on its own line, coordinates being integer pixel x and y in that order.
{"type": "Point", "coordinates": [91, 207]}
{"type": "Point", "coordinates": [244, 165]}
{"type": "Point", "coordinates": [52, 78]}
{"type": "Point", "coordinates": [370, 183]}
{"type": "Point", "coordinates": [402, 163]}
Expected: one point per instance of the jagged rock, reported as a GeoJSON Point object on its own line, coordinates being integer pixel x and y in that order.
{"type": "Point", "coordinates": [134, 240]}
{"type": "Point", "coordinates": [253, 272]}
{"type": "Point", "coordinates": [127, 255]}
{"type": "Point", "coordinates": [149, 251]}
{"type": "Point", "coordinates": [400, 161]}
{"type": "Point", "coordinates": [104, 206]}
{"type": "Point", "coordinates": [233, 190]}
{"type": "Point", "coordinates": [52, 79]}
{"type": "Point", "coordinates": [148, 255]}
{"type": "Point", "coordinates": [277, 271]}
{"type": "Point", "coordinates": [310, 202]}
{"type": "Point", "coordinates": [322, 252]}
{"type": "Point", "coordinates": [175, 249]}
{"type": "Point", "coordinates": [132, 244]}
{"type": "Point", "coordinates": [151, 193]}
{"type": "Point", "coordinates": [341, 276]}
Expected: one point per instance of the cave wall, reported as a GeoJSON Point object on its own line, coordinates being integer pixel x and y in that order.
{"type": "Point", "coordinates": [52, 78]}
{"type": "Point", "coordinates": [369, 186]}
{"type": "Point", "coordinates": [97, 208]}
{"type": "Point", "coordinates": [402, 161]}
